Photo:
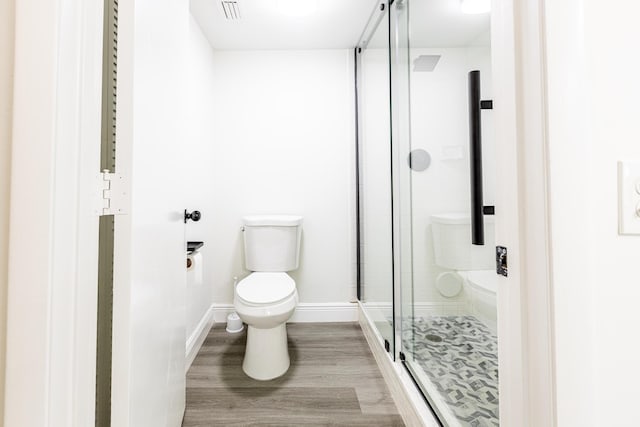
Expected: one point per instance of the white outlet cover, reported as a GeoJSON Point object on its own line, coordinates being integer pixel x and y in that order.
{"type": "Point", "coordinates": [628, 197]}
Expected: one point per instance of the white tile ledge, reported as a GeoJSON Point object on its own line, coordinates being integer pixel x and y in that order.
{"type": "Point", "coordinates": [410, 403]}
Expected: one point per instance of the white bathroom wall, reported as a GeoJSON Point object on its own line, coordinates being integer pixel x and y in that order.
{"type": "Point", "coordinates": [6, 108]}
{"type": "Point", "coordinates": [375, 180]}
{"type": "Point", "coordinates": [284, 143]}
{"type": "Point", "coordinates": [615, 91]}
{"type": "Point", "coordinates": [593, 115]}
{"type": "Point", "coordinates": [198, 149]}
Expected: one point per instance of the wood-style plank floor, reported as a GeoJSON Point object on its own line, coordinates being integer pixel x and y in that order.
{"type": "Point", "coordinates": [333, 380]}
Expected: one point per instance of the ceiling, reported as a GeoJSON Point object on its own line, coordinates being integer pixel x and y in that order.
{"type": "Point", "coordinates": [440, 23]}
{"type": "Point", "coordinates": [335, 24]}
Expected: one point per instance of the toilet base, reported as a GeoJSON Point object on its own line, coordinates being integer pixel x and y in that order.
{"type": "Point", "coordinates": [267, 355]}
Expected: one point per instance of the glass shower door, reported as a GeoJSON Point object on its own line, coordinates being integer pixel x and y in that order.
{"type": "Point", "coordinates": [448, 322]}
{"type": "Point", "coordinates": [374, 188]}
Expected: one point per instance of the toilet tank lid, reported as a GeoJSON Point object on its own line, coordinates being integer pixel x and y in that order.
{"type": "Point", "coordinates": [456, 218]}
{"type": "Point", "coordinates": [276, 220]}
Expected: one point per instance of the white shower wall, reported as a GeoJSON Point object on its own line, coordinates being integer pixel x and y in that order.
{"type": "Point", "coordinates": [283, 142]}
{"type": "Point", "coordinates": [439, 125]}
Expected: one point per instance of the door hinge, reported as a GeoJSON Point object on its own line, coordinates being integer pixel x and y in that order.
{"type": "Point", "coordinates": [112, 194]}
{"type": "Point", "coordinates": [387, 346]}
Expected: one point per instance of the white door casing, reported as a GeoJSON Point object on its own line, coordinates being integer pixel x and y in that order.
{"type": "Point", "coordinates": [525, 322]}
{"type": "Point", "coordinates": [51, 316]}
{"type": "Point", "coordinates": [54, 230]}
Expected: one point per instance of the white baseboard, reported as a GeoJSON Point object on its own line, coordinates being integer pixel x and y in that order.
{"type": "Point", "coordinates": [305, 312]}
{"type": "Point", "coordinates": [196, 339]}
{"type": "Point", "coordinates": [408, 400]}
{"type": "Point", "coordinates": [326, 312]}
{"type": "Point", "coordinates": [221, 311]}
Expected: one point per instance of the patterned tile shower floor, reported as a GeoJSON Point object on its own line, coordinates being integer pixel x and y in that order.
{"type": "Point", "coordinates": [459, 354]}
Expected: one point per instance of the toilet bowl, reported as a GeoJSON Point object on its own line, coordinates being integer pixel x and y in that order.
{"type": "Point", "coordinates": [481, 287]}
{"type": "Point", "coordinates": [265, 301]}
{"type": "Point", "coordinates": [267, 297]}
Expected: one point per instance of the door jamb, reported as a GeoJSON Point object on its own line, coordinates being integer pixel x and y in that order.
{"type": "Point", "coordinates": [50, 370]}
{"type": "Point", "coordinates": [525, 303]}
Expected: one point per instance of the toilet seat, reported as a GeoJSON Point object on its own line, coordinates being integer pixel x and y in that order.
{"type": "Point", "coordinates": [263, 288]}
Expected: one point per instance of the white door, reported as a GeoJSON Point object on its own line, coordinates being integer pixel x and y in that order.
{"type": "Point", "coordinates": [148, 378]}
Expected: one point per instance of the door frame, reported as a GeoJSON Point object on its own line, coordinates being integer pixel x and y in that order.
{"type": "Point", "coordinates": [53, 244]}
{"type": "Point", "coordinates": [526, 351]}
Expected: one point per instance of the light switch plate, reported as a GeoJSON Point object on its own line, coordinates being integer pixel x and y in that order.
{"type": "Point", "coordinates": [628, 197]}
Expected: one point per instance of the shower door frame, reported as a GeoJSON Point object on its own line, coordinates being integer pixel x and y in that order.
{"type": "Point", "coordinates": [525, 319]}
{"type": "Point", "coordinates": [380, 12]}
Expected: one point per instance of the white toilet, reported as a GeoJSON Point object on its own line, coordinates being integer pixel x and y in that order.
{"type": "Point", "coordinates": [473, 266]}
{"type": "Point", "coordinates": [267, 297]}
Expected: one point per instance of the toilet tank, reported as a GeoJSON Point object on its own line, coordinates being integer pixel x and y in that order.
{"type": "Point", "coordinates": [452, 243]}
{"type": "Point", "coordinates": [272, 242]}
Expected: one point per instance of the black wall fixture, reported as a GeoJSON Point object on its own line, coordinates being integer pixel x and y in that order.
{"type": "Point", "coordinates": [478, 209]}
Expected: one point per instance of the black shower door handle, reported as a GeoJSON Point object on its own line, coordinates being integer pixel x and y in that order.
{"type": "Point", "coordinates": [478, 209]}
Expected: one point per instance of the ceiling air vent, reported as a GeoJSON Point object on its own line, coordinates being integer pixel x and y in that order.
{"type": "Point", "coordinates": [231, 10]}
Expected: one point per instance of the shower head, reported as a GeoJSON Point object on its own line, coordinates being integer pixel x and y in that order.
{"type": "Point", "coordinates": [425, 63]}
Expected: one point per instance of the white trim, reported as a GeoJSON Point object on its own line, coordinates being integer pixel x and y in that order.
{"type": "Point", "coordinates": [197, 337]}
{"type": "Point", "coordinates": [525, 325]}
{"type": "Point", "coordinates": [325, 312]}
{"type": "Point", "coordinates": [52, 290]}
{"type": "Point", "coordinates": [221, 311]}
{"type": "Point", "coordinates": [408, 400]}
{"type": "Point", "coordinates": [121, 397]}
{"type": "Point", "coordinates": [305, 312]}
